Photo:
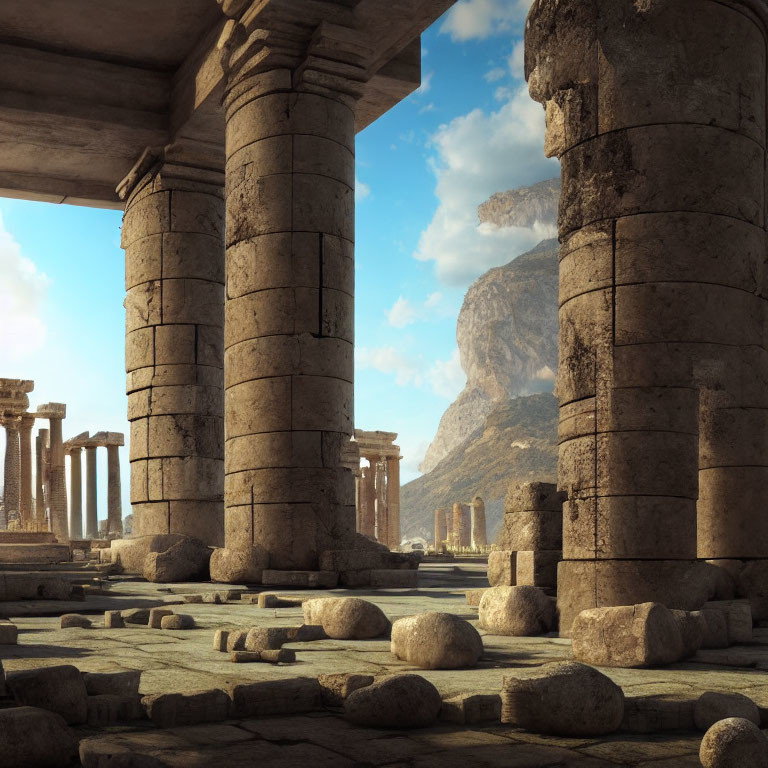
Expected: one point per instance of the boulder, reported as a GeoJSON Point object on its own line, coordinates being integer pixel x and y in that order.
{"type": "Point", "coordinates": [642, 635]}
{"type": "Point", "coordinates": [186, 560]}
{"type": "Point", "coordinates": [712, 707]}
{"type": "Point", "coordinates": [346, 618]}
{"type": "Point", "coordinates": [135, 615]}
{"type": "Point", "coordinates": [177, 621]}
{"type": "Point", "coordinates": [436, 641]}
{"type": "Point", "coordinates": [563, 699]}
{"type": "Point", "coordinates": [58, 689]}
{"type": "Point", "coordinates": [734, 742]}
{"type": "Point", "coordinates": [337, 687]}
{"type": "Point", "coordinates": [395, 701]}
{"type": "Point", "coordinates": [156, 616]}
{"type": "Point", "coordinates": [516, 611]}
{"type": "Point", "coordinates": [75, 620]}
{"type": "Point", "coordinates": [238, 566]}
{"type": "Point", "coordinates": [35, 738]}
{"type": "Point", "coordinates": [502, 568]}
{"type": "Point", "coordinates": [130, 553]}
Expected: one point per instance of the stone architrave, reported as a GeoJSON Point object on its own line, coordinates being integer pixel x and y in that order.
{"type": "Point", "coordinates": [55, 413]}
{"type": "Point", "coordinates": [663, 369]}
{"type": "Point", "coordinates": [479, 538]}
{"type": "Point", "coordinates": [173, 236]}
{"type": "Point", "coordinates": [91, 491]}
{"type": "Point", "coordinates": [25, 469]}
{"type": "Point", "coordinates": [12, 468]}
{"type": "Point", "coordinates": [393, 502]}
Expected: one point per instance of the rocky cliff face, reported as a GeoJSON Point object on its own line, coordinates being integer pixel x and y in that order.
{"type": "Point", "coordinates": [522, 207]}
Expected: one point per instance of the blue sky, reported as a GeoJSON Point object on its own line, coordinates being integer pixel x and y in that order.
{"type": "Point", "coordinates": [423, 168]}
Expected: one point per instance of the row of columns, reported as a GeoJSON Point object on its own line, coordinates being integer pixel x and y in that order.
{"type": "Point", "coordinates": [462, 527]}
{"type": "Point", "coordinates": [378, 507]}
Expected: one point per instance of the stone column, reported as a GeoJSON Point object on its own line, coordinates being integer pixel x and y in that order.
{"type": "Point", "coordinates": [41, 475]}
{"type": "Point", "coordinates": [393, 501]}
{"type": "Point", "coordinates": [91, 494]}
{"type": "Point", "coordinates": [55, 413]}
{"type": "Point", "coordinates": [368, 502]}
{"type": "Point", "coordinates": [441, 532]}
{"type": "Point", "coordinates": [25, 447]}
{"type": "Point", "coordinates": [114, 492]}
{"type": "Point", "coordinates": [11, 478]}
{"type": "Point", "coordinates": [479, 538]}
{"type": "Point", "coordinates": [75, 493]}
{"type": "Point", "coordinates": [290, 142]}
{"type": "Point", "coordinates": [173, 236]}
{"type": "Point", "coordinates": [657, 113]}
{"type": "Point", "coordinates": [449, 527]}
{"type": "Point", "coordinates": [382, 511]}
{"type": "Point", "coordinates": [457, 525]}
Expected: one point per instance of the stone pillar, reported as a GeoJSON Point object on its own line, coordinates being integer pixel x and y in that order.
{"type": "Point", "coordinates": [449, 527]}
{"type": "Point", "coordinates": [57, 480]}
{"type": "Point", "coordinates": [393, 501]}
{"type": "Point", "coordinates": [91, 494]}
{"type": "Point", "coordinates": [75, 493]}
{"type": "Point", "coordinates": [462, 535]}
{"type": "Point", "coordinates": [290, 142]}
{"type": "Point", "coordinates": [441, 532]}
{"type": "Point", "coordinates": [368, 502]}
{"type": "Point", "coordinates": [657, 113]}
{"type": "Point", "coordinates": [173, 236]}
{"type": "Point", "coordinates": [114, 492]}
{"type": "Point", "coordinates": [25, 447]}
{"type": "Point", "coordinates": [41, 475]}
{"type": "Point", "coordinates": [479, 538]}
{"type": "Point", "coordinates": [11, 478]}
{"type": "Point", "coordinates": [382, 511]}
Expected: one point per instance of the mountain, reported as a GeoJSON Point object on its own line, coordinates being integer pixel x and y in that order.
{"type": "Point", "coordinates": [522, 207]}
{"type": "Point", "coordinates": [516, 442]}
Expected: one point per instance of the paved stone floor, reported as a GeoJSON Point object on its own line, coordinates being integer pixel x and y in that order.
{"type": "Point", "coordinates": [184, 661]}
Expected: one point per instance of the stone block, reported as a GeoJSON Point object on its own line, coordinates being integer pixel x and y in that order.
{"type": "Point", "coordinates": [538, 568]}
{"type": "Point", "coordinates": [533, 530]}
{"type": "Point", "coordinates": [236, 640]}
{"type": "Point", "coordinates": [266, 638]}
{"type": "Point", "coordinates": [738, 617]}
{"type": "Point", "coordinates": [170, 710]}
{"type": "Point", "coordinates": [270, 656]}
{"type": "Point", "coordinates": [113, 620]}
{"type": "Point", "coordinates": [394, 701]}
{"type": "Point", "coordinates": [276, 697]}
{"type": "Point", "coordinates": [307, 633]}
{"type": "Point", "coordinates": [534, 496]}
{"type": "Point", "coordinates": [470, 708]}
{"type": "Point", "coordinates": [9, 634]}
{"type": "Point", "coordinates": [394, 579]}
{"type": "Point", "coordinates": [238, 565]}
{"type": "Point", "coordinates": [474, 596]}
{"type": "Point", "coordinates": [31, 737]}
{"type": "Point", "coordinates": [715, 625]}
{"type": "Point", "coordinates": [270, 600]}
{"type": "Point", "coordinates": [502, 568]}
{"type": "Point", "coordinates": [177, 621]}
{"type": "Point", "coordinates": [124, 683]}
{"type": "Point", "coordinates": [156, 616]}
{"type": "Point", "coordinates": [346, 618]}
{"type": "Point", "coordinates": [220, 640]}
{"type": "Point", "coordinates": [57, 689]}
{"type": "Point", "coordinates": [336, 687]}
{"type": "Point", "coordinates": [516, 611]}
{"type": "Point", "coordinates": [193, 599]}
{"type": "Point", "coordinates": [354, 579]}
{"type": "Point", "coordinates": [107, 709]}
{"type": "Point", "coordinates": [305, 579]}
{"type": "Point", "coordinates": [135, 615]}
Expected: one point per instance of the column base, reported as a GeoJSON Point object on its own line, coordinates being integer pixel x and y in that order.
{"type": "Point", "coordinates": [582, 584]}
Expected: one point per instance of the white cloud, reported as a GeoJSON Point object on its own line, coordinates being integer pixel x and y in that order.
{"type": "Point", "coordinates": [389, 360]}
{"type": "Point", "coordinates": [426, 83]}
{"type": "Point", "coordinates": [22, 292]}
{"type": "Point", "coordinates": [427, 108]}
{"type": "Point", "coordinates": [516, 60]}
{"type": "Point", "coordinates": [478, 19]}
{"type": "Point", "coordinates": [402, 313]}
{"type": "Point", "coordinates": [362, 190]}
{"type": "Point", "coordinates": [494, 74]}
{"type": "Point", "coordinates": [433, 299]}
{"type": "Point", "coordinates": [447, 378]}
{"type": "Point", "coordinates": [476, 155]}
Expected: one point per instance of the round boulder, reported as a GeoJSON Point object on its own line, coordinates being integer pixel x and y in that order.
{"type": "Point", "coordinates": [75, 620]}
{"type": "Point", "coordinates": [238, 566]}
{"type": "Point", "coordinates": [563, 699]}
{"type": "Point", "coordinates": [346, 618]}
{"type": "Point", "coordinates": [436, 641]}
{"type": "Point", "coordinates": [396, 701]}
{"type": "Point", "coordinates": [712, 707]}
{"type": "Point", "coordinates": [516, 611]}
{"type": "Point", "coordinates": [734, 742]}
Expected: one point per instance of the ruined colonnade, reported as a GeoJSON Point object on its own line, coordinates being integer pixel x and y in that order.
{"type": "Point", "coordinates": [461, 527]}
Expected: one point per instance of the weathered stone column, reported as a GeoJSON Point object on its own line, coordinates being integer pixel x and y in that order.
{"type": "Point", "coordinates": [91, 494]}
{"type": "Point", "coordinates": [441, 530]}
{"type": "Point", "coordinates": [657, 112]}
{"type": "Point", "coordinates": [368, 502]}
{"type": "Point", "coordinates": [479, 537]}
{"type": "Point", "coordinates": [11, 477]}
{"type": "Point", "coordinates": [41, 475]}
{"type": "Point", "coordinates": [25, 447]}
{"type": "Point", "coordinates": [55, 413]}
{"type": "Point", "coordinates": [114, 492]}
{"type": "Point", "coordinates": [75, 492]}
{"type": "Point", "coordinates": [290, 142]}
{"type": "Point", "coordinates": [173, 235]}
{"type": "Point", "coordinates": [393, 501]}
{"type": "Point", "coordinates": [382, 511]}
{"type": "Point", "coordinates": [462, 534]}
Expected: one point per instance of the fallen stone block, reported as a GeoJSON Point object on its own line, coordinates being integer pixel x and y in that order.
{"type": "Point", "coordinates": [169, 710]}
{"type": "Point", "coordinates": [108, 709]}
{"type": "Point", "coordinates": [25, 586]}
{"type": "Point", "coordinates": [346, 618]}
{"type": "Point", "coordinates": [474, 596]}
{"type": "Point", "coordinates": [9, 634]}
{"type": "Point", "coordinates": [220, 639]}
{"type": "Point", "coordinates": [193, 599]}
{"type": "Point", "coordinates": [135, 615]}
{"type": "Point", "coordinates": [715, 625]}
{"type": "Point", "coordinates": [712, 707]}
{"type": "Point", "coordinates": [305, 579]}
{"type": "Point", "coordinates": [469, 708]}
{"type": "Point", "coordinates": [130, 553]}
{"type": "Point", "coordinates": [177, 621]}
{"type": "Point", "coordinates": [307, 633]}
{"type": "Point", "coordinates": [502, 568]}
{"type": "Point", "coordinates": [277, 656]}
{"type": "Point", "coordinates": [276, 697]}
{"type": "Point", "coordinates": [186, 560]}
{"type": "Point", "coordinates": [264, 638]}
{"type": "Point", "coordinates": [113, 620]}
{"type": "Point", "coordinates": [69, 620]}
{"type": "Point", "coordinates": [691, 626]}
{"type": "Point", "coordinates": [270, 600]}
{"type": "Point", "coordinates": [394, 579]}
{"type": "Point", "coordinates": [734, 742]}
{"type": "Point", "coordinates": [125, 683]}
{"type": "Point", "coordinates": [562, 699]}
{"type": "Point", "coordinates": [538, 568]}
{"type": "Point", "coordinates": [31, 737]}
{"type": "Point", "coordinates": [738, 617]}
{"type": "Point", "coordinates": [395, 701]}
{"type": "Point", "coordinates": [336, 687]}
{"type": "Point", "coordinates": [236, 640]}
{"type": "Point", "coordinates": [516, 611]}
{"type": "Point", "coordinates": [436, 640]}
{"type": "Point", "coordinates": [58, 689]}
{"type": "Point", "coordinates": [156, 616]}
{"type": "Point", "coordinates": [643, 635]}
{"type": "Point", "coordinates": [533, 530]}
{"type": "Point", "coordinates": [235, 566]}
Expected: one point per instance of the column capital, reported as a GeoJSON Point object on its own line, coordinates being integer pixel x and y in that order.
{"type": "Point", "coordinates": [52, 411]}
{"type": "Point", "coordinates": [11, 421]}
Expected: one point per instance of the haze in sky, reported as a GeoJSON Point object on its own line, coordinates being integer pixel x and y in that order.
{"type": "Point", "coordinates": [422, 169]}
